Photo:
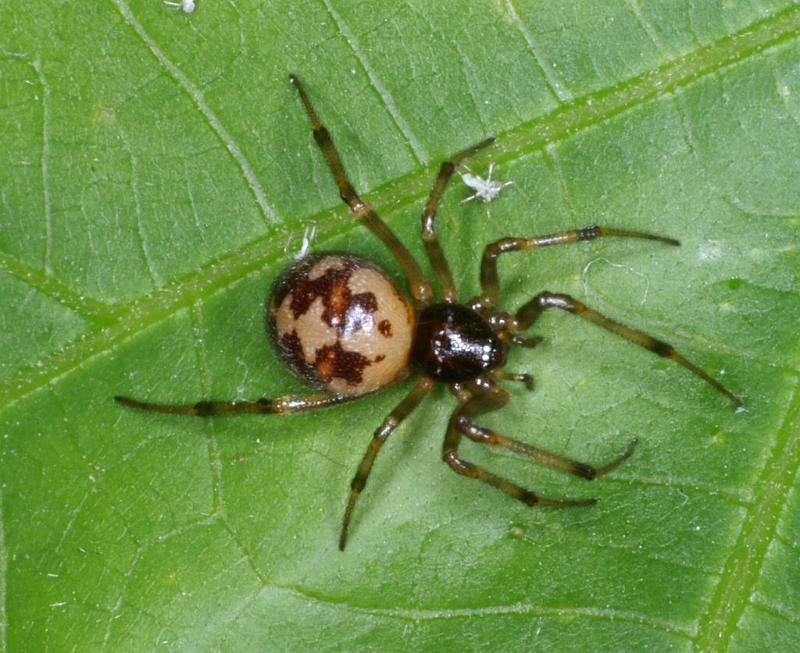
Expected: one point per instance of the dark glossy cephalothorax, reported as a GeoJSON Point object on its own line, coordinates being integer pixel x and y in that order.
{"type": "Point", "coordinates": [341, 324]}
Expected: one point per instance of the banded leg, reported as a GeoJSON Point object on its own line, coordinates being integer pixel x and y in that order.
{"type": "Point", "coordinates": [527, 379]}
{"type": "Point", "coordinates": [382, 433]}
{"type": "Point", "coordinates": [531, 311]}
{"type": "Point", "coordinates": [519, 341]}
{"type": "Point", "coordinates": [429, 237]}
{"type": "Point", "coordinates": [479, 404]}
{"type": "Point", "coordinates": [362, 211]}
{"type": "Point", "coordinates": [286, 405]}
{"type": "Point", "coordinates": [489, 284]}
{"type": "Point", "coordinates": [556, 461]}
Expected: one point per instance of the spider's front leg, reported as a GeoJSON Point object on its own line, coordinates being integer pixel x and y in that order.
{"type": "Point", "coordinates": [490, 288]}
{"type": "Point", "coordinates": [429, 237]}
{"type": "Point", "coordinates": [361, 210]}
{"type": "Point", "coordinates": [531, 311]}
{"type": "Point", "coordinates": [488, 397]}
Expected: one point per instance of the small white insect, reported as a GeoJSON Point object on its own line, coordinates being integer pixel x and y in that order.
{"type": "Point", "coordinates": [485, 189]}
{"type": "Point", "coordinates": [186, 6]}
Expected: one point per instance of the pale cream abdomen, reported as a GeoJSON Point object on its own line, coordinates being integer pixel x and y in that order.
{"type": "Point", "coordinates": [339, 323]}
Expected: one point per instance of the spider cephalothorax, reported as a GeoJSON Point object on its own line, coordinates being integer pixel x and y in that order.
{"type": "Point", "coordinates": [340, 323]}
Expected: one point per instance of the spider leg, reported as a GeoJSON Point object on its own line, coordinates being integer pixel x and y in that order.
{"type": "Point", "coordinates": [362, 211]}
{"type": "Point", "coordinates": [382, 433]}
{"type": "Point", "coordinates": [460, 421]}
{"type": "Point", "coordinates": [285, 405]}
{"type": "Point", "coordinates": [519, 341]}
{"type": "Point", "coordinates": [527, 379]}
{"type": "Point", "coordinates": [556, 461]}
{"type": "Point", "coordinates": [531, 311]}
{"type": "Point", "coordinates": [431, 241]}
{"type": "Point", "coordinates": [489, 283]}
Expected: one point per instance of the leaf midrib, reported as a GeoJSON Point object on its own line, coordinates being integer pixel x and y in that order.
{"type": "Point", "coordinates": [560, 124]}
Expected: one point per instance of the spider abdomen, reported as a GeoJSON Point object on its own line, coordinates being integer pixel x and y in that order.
{"type": "Point", "coordinates": [340, 323]}
{"type": "Point", "coordinates": [454, 343]}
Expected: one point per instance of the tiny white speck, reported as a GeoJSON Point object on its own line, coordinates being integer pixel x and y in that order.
{"type": "Point", "coordinates": [186, 6]}
{"type": "Point", "coordinates": [709, 250]}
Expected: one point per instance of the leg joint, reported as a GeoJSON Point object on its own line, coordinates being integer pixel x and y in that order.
{"type": "Point", "coordinates": [662, 348]}
{"type": "Point", "coordinates": [203, 408]}
{"type": "Point", "coordinates": [446, 169]}
{"type": "Point", "coordinates": [547, 299]}
{"type": "Point", "coordinates": [457, 464]}
{"type": "Point", "coordinates": [589, 233]}
{"type": "Point", "coordinates": [385, 430]}
{"type": "Point", "coordinates": [531, 498]}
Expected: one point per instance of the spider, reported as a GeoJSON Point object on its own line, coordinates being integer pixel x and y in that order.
{"type": "Point", "coordinates": [340, 323]}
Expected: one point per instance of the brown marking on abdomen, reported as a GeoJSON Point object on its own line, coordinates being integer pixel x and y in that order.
{"type": "Point", "coordinates": [344, 311]}
{"type": "Point", "coordinates": [332, 361]}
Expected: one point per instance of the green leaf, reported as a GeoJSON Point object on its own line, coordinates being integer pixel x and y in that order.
{"type": "Point", "coordinates": [156, 174]}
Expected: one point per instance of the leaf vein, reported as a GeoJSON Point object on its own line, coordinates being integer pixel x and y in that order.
{"type": "Point", "coordinates": [514, 609]}
{"type": "Point", "coordinates": [45, 162]}
{"type": "Point", "coordinates": [155, 276]}
{"type": "Point", "coordinates": [646, 26]}
{"type": "Point", "coordinates": [51, 287]}
{"type": "Point", "coordinates": [759, 527]}
{"type": "Point", "coordinates": [198, 98]}
{"type": "Point", "coordinates": [759, 602]}
{"type": "Point", "coordinates": [416, 147]}
{"type": "Point", "coordinates": [556, 87]}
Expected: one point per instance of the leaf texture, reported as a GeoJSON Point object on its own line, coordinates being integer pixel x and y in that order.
{"type": "Point", "coordinates": [156, 174]}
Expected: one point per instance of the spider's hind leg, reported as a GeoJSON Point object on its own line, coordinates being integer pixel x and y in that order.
{"type": "Point", "coordinates": [382, 433]}
{"type": "Point", "coordinates": [493, 399]}
{"type": "Point", "coordinates": [286, 405]}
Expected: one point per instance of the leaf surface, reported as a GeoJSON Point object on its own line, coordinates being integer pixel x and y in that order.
{"type": "Point", "coordinates": [156, 174]}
